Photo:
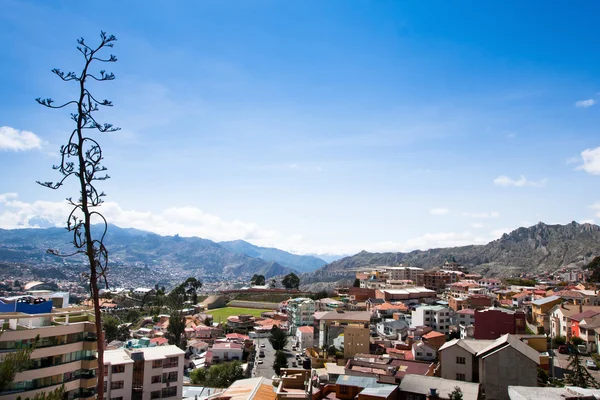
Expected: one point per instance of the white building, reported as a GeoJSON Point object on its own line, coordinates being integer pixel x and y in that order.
{"type": "Point", "coordinates": [436, 317]}
{"type": "Point", "coordinates": [402, 273]}
{"type": "Point", "coordinates": [225, 351]}
{"type": "Point", "coordinates": [301, 312]}
{"type": "Point", "coordinates": [304, 336]}
{"type": "Point", "coordinates": [141, 292]}
{"type": "Point", "coordinates": [144, 373]}
{"type": "Point", "coordinates": [423, 352]}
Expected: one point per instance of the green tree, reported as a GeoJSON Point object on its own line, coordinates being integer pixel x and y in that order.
{"type": "Point", "coordinates": [57, 394]}
{"type": "Point", "coordinates": [356, 283]}
{"type": "Point", "coordinates": [456, 394]}
{"type": "Point", "coordinates": [176, 329]}
{"type": "Point", "coordinates": [132, 316]}
{"type": "Point", "coordinates": [257, 280]}
{"type": "Point", "coordinates": [273, 284]}
{"type": "Point", "coordinates": [578, 374]}
{"type": "Point", "coordinates": [291, 281]}
{"type": "Point", "coordinates": [576, 340]}
{"type": "Point", "coordinates": [123, 334]}
{"type": "Point", "coordinates": [111, 327]}
{"type": "Point", "coordinates": [219, 375]}
{"type": "Point", "coordinates": [192, 285]}
{"type": "Point", "coordinates": [278, 338]}
{"type": "Point", "coordinates": [279, 362]}
{"type": "Point", "coordinates": [594, 266]}
{"type": "Point", "coordinates": [13, 363]}
{"type": "Point", "coordinates": [81, 157]}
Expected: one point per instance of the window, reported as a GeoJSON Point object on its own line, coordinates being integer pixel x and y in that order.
{"type": "Point", "coordinates": [169, 392]}
{"type": "Point", "coordinates": [344, 389]}
{"type": "Point", "coordinates": [460, 377]}
{"type": "Point", "coordinates": [117, 385]}
{"type": "Point", "coordinates": [157, 364]}
{"type": "Point", "coordinates": [156, 379]}
{"type": "Point", "coordinates": [460, 360]}
{"type": "Point", "coordinates": [429, 354]}
{"type": "Point", "coordinates": [117, 398]}
{"type": "Point", "coordinates": [171, 362]}
{"type": "Point", "coordinates": [170, 377]}
{"type": "Point", "coordinates": [117, 369]}
{"type": "Point", "coordinates": [155, 394]}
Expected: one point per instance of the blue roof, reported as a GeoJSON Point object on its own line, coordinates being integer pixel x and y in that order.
{"type": "Point", "coordinates": [358, 381]}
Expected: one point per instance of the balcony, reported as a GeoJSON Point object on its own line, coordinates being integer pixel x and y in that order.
{"type": "Point", "coordinates": [89, 345]}
{"type": "Point", "coordinates": [90, 382]}
{"type": "Point", "coordinates": [91, 363]}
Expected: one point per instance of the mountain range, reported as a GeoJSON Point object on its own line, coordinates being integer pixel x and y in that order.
{"type": "Point", "coordinates": [174, 255]}
{"type": "Point", "coordinates": [148, 257]}
{"type": "Point", "coordinates": [536, 249]}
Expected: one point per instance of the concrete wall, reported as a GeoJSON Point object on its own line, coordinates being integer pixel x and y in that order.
{"type": "Point", "coordinates": [450, 368]}
{"type": "Point", "coordinates": [504, 368]}
{"type": "Point", "coordinates": [356, 340]}
{"type": "Point", "coordinates": [253, 304]}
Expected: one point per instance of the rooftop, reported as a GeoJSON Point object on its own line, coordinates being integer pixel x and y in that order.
{"type": "Point", "coordinates": [359, 381]}
{"type": "Point", "coordinates": [362, 316]}
{"type": "Point", "coordinates": [545, 300]}
{"type": "Point", "coordinates": [423, 384]}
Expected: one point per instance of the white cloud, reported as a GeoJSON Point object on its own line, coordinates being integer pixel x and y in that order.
{"type": "Point", "coordinates": [587, 221]}
{"type": "Point", "coordinates": [497, 233]}
{"type": "Point", "coordinates": [439, 211]}
{"type": "Point", "coordinates": [477, 225]}
{"type": "Point", "coordinates": [482, 215]}
{"type": "Point", "coordinates": [505, 181]}
{"type": "Point", "coordinates": [591, 161]}
{"type": "Point", "coordinates": [585, 103]}
{"type": "Point", "coordinates": [16, 140]}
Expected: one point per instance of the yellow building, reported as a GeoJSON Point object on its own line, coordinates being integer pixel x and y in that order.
{"type": "Point", "coordinates": [540, 311]}
{"type": "Point", "coordinates": [65, 352]}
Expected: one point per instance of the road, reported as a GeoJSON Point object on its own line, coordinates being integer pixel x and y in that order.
{"type": "Point", "coordinates": [266, 368]}
{"type": "Point", "coordinates": [562, 361]}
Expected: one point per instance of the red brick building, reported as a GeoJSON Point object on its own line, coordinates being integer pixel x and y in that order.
{"type": "Point", "coordinates": [495, 322]}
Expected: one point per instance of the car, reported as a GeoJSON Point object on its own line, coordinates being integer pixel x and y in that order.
{"type": "Point", "coordinates": [591, 364]}
{"type": "Point", "coordinates": [260, 361]}
{"type": "Point", "coordinates": [563, 349]}
{"type": "Point", "coordinates": [261, 354]}
{"type": "Point", "coordinates": [262, 345]}
{"type": "Point", "coordinates": [294, 364]}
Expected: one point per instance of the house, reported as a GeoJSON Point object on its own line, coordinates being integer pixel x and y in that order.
{"type": "Point", "coordinates": [560, 321]}
{"type": "Point", "coordinates": [465, 317]}
{"type": "Point", "coordinates": [353, 324]}
{"type": "Point", "coordinates": [226, 351]}
{"type": "Point", "coordinates": [348, 387]}
{"type": "Point", "coordinates": [415, 387]}
{"type": "Point", "coordinates": [407, 294]}
{"type": "Point", "coordinates": [584, 326]}
{"type": "Point", "coordinates": [434, 339]}
{"type": "Point", "coordinates": [387, 310]}
{"type": "Point", "coordinates": [304, 336]}
{"type": "Point", "coordinates": [471, 301]}
{"type": "Point", "coordinates": [242, 322]}
{"type": "Point", "coordinates": [386, 369]}
{"type": "Point", "coordinates": [142, 292]}
{"type": "Point", "coordinates": [520, 298]}
{"type": "Point", "coordinates": [197, 347]}
{"type": "Point", "coordinates": [248, 389]}
{"type": "Point", "coordinates": [495, 322]}
{"type": "Point", "coordinates": [392, 328]}
{"type": "Point", "coordinates": [495, 364]}
{"type": "Point", "coordinates": [540, 311]}
{"type": "Point", "coordinates": [373, 302]}
{"type": "Point", "coordinates": [551, 393]}
{"type": "Point", "coordinates": [422, 351]}
{"type": "Point", "coordinates": [437, 317]}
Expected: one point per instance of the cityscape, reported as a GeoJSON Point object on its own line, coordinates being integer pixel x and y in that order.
{"type": "Point", "coordinates": [299, 200]}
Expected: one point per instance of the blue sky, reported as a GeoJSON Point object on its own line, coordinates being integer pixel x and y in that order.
{"type": "Point", "coordinates": [316, 127]}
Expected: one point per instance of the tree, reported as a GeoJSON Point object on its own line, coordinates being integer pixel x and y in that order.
{"type": "Point", "coordinates": [176, 329]}
{"type": "Point", "coordinates": [279, 362]}
{"type": "Point", "coordinates": [273, 284]}
{"type": "Point", "coordinates": [13, 363]}
{"type": "Point", "coordinates": [578, 374]}
{"type": "Point", "coordinates": [111, 327]}
{"type": "Point", "coordinates": [132, 316]}
{"type": "Point", "coordinates": [258, 280]}
{"type": "Point", "coordinates": [291, 281]}
{"type": "Point", "coordinates": [82, 157]}
{"type": "Point", "coordinates": [220, 375]}
{"type": "Point", "coordinates": [356, 283]}
{"type": "Point", "coordinates": [192, 285]}
{"type": "Point", "coordinates": [456, 394]}
{"type": "Point", "coordinates": [123, 333]}
{"type": "Point", "coordinates": [278, 338]}
{"type": "Point", "coordinates": [56, 394]}
{"type": "Point", "coordinates": [594, 266]}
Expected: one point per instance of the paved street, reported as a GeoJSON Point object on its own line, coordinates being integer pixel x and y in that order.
{"type": "Point", "coordinates": [266, 368]}
{"type": "Point", "coordinates": [561, 363]}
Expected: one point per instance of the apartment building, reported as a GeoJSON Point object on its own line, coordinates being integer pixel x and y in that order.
{"type": "Point", "coordinates": [436, 317]}
{"type": "Point", "coordinates": [65, 353]}
{"type": "Point", "coordinates": [402, 273]}
{"type": "Point", "coordinates": [354, 325]}
{"type": "Point", "coordinates": [433, 280]}
{"type": "Point", "coordinates": [144, 373]}
{"type": "Point", "coordinates": [300, 312]}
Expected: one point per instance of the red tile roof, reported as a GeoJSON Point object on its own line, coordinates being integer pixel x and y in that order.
{"type": "Point", "coordinates": [433, 334]}
{"type": "Point", "coordinates": [306, 329]}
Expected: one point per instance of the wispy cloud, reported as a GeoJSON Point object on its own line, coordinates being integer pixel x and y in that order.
{"type": "Point", "coordinates": [505, 181]}
{"type": "Point", "coordinates": [477, 225]}
{"type": "Point", "coordinates": [481, 215]}
{"type": "Point", "coordinates": [591, 161]}
{"type": "Point", "coordinates": [439, 211]}
{"type": "Point", "coordinates": [17, 140]}
{"type": "Point", "coordinates": [585, 103]}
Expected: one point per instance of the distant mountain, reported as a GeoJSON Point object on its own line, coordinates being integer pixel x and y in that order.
{"type": "Point", "coordinates": [536, 249]}
{"type": "Point", "coordinates": [294, 261]}
{"type": "Point", "coordinates": [173, 256]}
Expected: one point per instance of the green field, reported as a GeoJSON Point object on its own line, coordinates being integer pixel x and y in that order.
{"type": "Point", "coordinates": [221, 314]}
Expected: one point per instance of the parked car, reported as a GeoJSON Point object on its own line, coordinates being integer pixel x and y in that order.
{"type": "Point", "coordinates": [262, 345]}
{"type": "Point", "coordinates": [260, 361]}
{"type": "Point", "coordinates": [591, 364]}
{"type": "Point", "coordinates": [582, 349]}
{"type": "Point", "coordinates": [294, 364]}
